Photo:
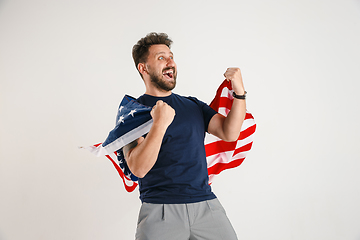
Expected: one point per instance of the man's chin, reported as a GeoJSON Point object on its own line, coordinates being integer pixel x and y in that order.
{"type": "Point", "coordinates": [170, 82]}
{"type": "Point", "coordinates": [168, 86]}
{"type": "Point", "coordinates": [165, 84]}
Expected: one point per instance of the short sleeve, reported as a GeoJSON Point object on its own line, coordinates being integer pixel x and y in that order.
{"type": "Point", "coordinates": [207, 111]}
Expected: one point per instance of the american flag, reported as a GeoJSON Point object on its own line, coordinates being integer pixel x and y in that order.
{"type": "Point", "coordinates": [133, 121]}
{"type": "Point", "coordinates": [221, 155]}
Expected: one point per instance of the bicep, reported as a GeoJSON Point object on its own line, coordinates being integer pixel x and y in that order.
{"type": "Point", "coordinates": [129, 147]}
{"type": "Point", "coordinates": [216, 125]}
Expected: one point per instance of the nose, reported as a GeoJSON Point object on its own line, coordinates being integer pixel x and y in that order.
{"type": "Point", "coordinates": [170, 62]}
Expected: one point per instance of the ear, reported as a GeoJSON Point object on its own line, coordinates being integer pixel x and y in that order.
{"type": "Point", "coordinates": [142, 68]}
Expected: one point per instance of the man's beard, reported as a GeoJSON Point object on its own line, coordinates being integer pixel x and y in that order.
{"type": "Point", "coordinates": [162, 84]}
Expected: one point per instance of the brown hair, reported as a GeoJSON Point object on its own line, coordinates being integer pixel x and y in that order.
{"type": "Point", "coordinates": [140, 51]}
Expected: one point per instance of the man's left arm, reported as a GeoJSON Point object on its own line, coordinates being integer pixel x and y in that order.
{"type": "Point", "coordinates": [228, 128]}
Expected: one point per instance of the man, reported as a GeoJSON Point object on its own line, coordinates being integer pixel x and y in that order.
{"type": "Point", "coordinates": [170, 161]}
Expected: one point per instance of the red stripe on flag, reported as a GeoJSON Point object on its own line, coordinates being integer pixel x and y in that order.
{"type": "Point", "coordinates": [247, 132]}
{"type": "Point", "coordinates": [219, 167]}
{"type": "Point", "coordinates": [244, 148]}
{"type": "Point", "coordinates": [222, 146]}
{"type": "Point", "coordinates": [122, 175]}
{"type": "Point", "coordinates": [225, 103]}
{"type": "Point", "coordinates": [248, 116]}
{"type": "Point", "coordinates": [218, 147]}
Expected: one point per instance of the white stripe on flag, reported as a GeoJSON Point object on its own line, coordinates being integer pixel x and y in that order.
{"type": "Point", "coordinates": [219, 158]}
{"type": "Point", "coordinates": [129, 137]}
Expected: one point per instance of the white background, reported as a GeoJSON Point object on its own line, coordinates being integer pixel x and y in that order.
{"type": "Point", "coordinates": [65, 65]}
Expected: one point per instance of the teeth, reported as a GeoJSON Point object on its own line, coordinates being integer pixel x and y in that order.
{"type": "Point", "coordinates": [169, 71]}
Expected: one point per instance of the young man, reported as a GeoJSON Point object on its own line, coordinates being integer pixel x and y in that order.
{"type": "Point", "coordinates": [170, 161]}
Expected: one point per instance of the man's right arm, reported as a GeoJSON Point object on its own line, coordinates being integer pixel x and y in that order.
{"type": "Point", "coordinates": [141, 154]}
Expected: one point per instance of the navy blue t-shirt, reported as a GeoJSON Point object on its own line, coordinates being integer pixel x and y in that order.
{"type": "Point", "coordinates": [180, 172]}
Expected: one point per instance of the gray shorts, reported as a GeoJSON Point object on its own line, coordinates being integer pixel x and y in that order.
{"type": "Point", "coordinates": [205, 220]}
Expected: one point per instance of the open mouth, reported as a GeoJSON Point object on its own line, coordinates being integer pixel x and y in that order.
{"type": "Point", "coordinates": [169, 74]}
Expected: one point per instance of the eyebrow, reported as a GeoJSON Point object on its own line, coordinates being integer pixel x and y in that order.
{"type": "Point", "coordinates": [159, 53]}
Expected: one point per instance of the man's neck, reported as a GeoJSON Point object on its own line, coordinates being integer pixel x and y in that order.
{"type": "Point", "coordinates": [158, 93]}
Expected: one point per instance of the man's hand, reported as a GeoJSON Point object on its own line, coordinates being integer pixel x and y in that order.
{"type": "Point", "coordinates": [162, 114]}
{"type": "Point", "coordinates": [234, 75]}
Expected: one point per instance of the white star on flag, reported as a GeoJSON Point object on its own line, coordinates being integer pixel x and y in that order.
{"type": "Point", "coordinates": [132, 112]}
{"type": "Point", "coordinates": [121, 119]}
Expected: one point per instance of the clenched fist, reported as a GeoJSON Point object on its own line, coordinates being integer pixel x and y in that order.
{"type": "Point", "coordinates": [234, 75]}
{"type": "Point", "coordinates": [162, 114]}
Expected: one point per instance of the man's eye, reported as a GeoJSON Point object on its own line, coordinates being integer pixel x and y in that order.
{"type": "Point", "coordinates": [161, 58]}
